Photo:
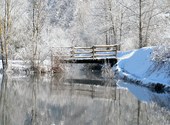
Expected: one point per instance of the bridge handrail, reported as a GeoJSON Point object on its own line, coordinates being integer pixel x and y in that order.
{"type": "Point", "coordinates": [93, 52]}
{"type": "Point", "coordinates": [105, 46]}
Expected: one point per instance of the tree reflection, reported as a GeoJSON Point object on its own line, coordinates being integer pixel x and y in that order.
{"type": "Point", "coordinates": [34, 99]}
{"type": "Point", "coordinates": [3, 101]}
{"type": "Point", "coordinates": [138, 112]}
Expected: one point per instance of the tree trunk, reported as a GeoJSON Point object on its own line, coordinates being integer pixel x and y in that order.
{"type": "Point", "coordinates": [2, 52]}
{"type": "Point", "coordinates": [2, 47]}
{"type": "Point", "coordinates": [106, 19]}
{"type": "Point", "coordinates": [148, 25]}
{"type": "Point", "coordinates": [33, 34]}
{"type": "Point", "coordinates": [107, 43]}
{"type": "Point", "coordinates": [121, 27]}
{"type": "Point", "coordinates": [140, 24]}
{"type": "Point", "coordinates": [36, 21]}
{"type": "Point", "coordinates": [7, 31]}
{"type": "Point", "coordinates": [112, 23]}
{"type": "Point", "coordinates": [5, 28]}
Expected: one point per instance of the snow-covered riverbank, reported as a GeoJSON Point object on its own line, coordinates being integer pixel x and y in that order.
{"type": "Point", "coordinates": [24, 67]}
{"type": "Point", "coordinates": [138, 66]}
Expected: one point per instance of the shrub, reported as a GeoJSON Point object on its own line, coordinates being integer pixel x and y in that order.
{"type": "Point", "coordinates": [161, 53]}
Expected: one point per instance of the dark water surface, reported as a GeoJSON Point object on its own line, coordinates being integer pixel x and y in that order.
{"type": "Point", "coordinates": [79, 98]}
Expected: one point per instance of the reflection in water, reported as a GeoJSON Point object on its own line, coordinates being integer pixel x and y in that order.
{"type": "Point", "coordinates": [147, 95]}
{"type": "Point", "coordinates": [33, 119]}
{"type": "Point", "coordinates": [47, 100]}
{"type": "Point", "coordinates": [3, 101]}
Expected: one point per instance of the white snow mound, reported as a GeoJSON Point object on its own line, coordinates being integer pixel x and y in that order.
{"type": "Point", "coordinates": [138, 65]}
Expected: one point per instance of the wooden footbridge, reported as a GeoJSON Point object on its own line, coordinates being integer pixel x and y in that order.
{"type": "Point", "coordinates": [98, 54]}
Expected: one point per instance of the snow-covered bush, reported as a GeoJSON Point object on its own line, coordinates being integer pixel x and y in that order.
{"type": "Point", "coordinates": [161, 53]}
{"type": "Point", "coordinates": [56, 65]}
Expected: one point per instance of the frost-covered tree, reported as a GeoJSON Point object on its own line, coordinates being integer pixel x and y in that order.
{"type": "Point", "coordinates": [61, 12]}
{"type": "Point", "coordinates": [5, 32]}
{"type": "Point", "coordinates": [161, 53]}
{"type": "Point", "coordinates": [149, 19]}
{"type": "Point", "coordinates": [38, 17]}
{"type": "Point", "coordinates": [145, 19]}
{"type": "Point", "coordinates": [81, 25]}
{"type": "Point", "coordinates": [100, 21]}
{"type": "Point", "coordinates": [12, 21]}
{"type": "Point", "coordinates": [1, 42]}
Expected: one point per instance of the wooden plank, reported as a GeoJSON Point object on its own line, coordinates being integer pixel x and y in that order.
{"type": "Point", "coordinates": [82, 47]}
{"type": "Point", "coordinates": [97, 46]}
{"type": "Point", "coordinates": [101, 55]}
{"type": "Point", "coordinates": [83, 52]}
{"type": "Point", "coordinates": [104, 50]}
{"type": "Point", "coordinates": [82, 57]}
{"type": "Point", "coordinates": [105, 46]}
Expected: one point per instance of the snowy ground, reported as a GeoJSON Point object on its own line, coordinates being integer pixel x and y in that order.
{"type": "Point", "coordinates": [24, 67]}
{"type": "Point", "coordinates": [137, 66]}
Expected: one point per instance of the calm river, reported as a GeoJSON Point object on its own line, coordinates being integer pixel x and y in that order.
{"type": "Point", "coordinates": [79, 97]}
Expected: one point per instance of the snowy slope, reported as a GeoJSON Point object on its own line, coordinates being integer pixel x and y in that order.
{"type": "Point", "coordinates": [137, 65]}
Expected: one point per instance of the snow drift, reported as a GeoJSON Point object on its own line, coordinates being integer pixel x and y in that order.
{"type": "Point", "coordinates": [138, 66]}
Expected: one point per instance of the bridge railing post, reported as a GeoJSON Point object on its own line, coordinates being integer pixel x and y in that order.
{"type": "Point", "coordinates": [72, 51]}
{"type": "Point", "coordinates": [93, 51]}
{"type": "Point", "coordinates": [116, 51]}
{"type": "Point", "coordinates": [117, 48]}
